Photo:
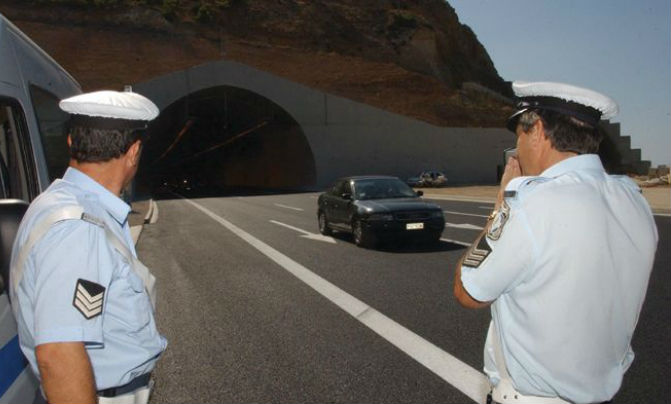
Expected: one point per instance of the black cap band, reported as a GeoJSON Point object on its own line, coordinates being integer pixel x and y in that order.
{"type": "Point", "coordinates": [99, 122]}
{"type": "Point", "coordinates": [582, 112]}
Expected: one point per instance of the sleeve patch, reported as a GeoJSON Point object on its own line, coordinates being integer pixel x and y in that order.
{"type": "Point", "coordinates": [478, 254]}
{"type": "Point", "coordinates": [89, 298]}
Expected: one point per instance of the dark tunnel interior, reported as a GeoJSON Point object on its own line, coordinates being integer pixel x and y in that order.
{"type": "Point", "coordinates": [226, 138]}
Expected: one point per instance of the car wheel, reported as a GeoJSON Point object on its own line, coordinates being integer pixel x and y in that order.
{"type": "Point", "coordinates": [362, 238]}
{"type": "Point", "coordinates": [324, 224]}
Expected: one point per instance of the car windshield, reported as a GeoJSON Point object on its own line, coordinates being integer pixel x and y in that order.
{"type": "Point", "coordinates": [382, 188]}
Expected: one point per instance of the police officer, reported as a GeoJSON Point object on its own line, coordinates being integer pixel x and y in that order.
{"type": "Point", "coordinates": [564, 260]}
{"type": "Point", "coordinates": [82, 300]}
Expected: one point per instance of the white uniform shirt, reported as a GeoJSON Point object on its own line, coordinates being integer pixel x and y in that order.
{"type": "Point", "coordinates": [568, 276]}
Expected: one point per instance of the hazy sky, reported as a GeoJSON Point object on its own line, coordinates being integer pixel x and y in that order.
{"type": "Point", "coordinates": [621, 48]}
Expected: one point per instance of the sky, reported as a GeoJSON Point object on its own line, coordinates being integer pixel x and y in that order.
{"type": "Point", "coordinates": [621, 48]}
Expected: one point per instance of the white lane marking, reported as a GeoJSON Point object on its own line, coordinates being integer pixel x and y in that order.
{"type": "Point", "coordinates": [306, 234]}
{"type": "Point", "coordinates": [463, 214]}
{"type": "Point", "coordinates": [662, 214]}
{"type": "Point", "coordinates": [314, 196]}
{"type": "Point", "coordinates": [466, 226]}
{"type": "Point", "coordinates": [460, 198]}
{"type": "Point", "coordinates": [288, 207]}
{"type": "Point", "coordinates": [469, 381]}
{"type": "Point", "coordinates": [486, 207]}
{"type": "Point", "coordinates": [449, 240]}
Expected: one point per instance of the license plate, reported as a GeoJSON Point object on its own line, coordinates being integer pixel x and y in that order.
{"type": "Point", "coordinates": [414, 226]}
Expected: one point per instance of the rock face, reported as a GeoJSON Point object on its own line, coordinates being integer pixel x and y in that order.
{"type": "Point", "coordinates": [411, 57]}
{"type": "Point", "coordinates": [423, 36]}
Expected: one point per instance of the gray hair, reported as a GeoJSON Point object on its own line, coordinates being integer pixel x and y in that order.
{"type": "Point", "coordinates": [528, 119]}
{"type": "Point", "coordinates": [566, 133]}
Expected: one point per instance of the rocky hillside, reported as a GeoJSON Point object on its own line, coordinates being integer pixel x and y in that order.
{"type": "Point", "coordinates": [411, 57]}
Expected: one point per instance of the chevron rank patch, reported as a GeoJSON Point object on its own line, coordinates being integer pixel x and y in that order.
{"type": "Point", "coordinates": [478, 254]}
{"type": "Point", "coordinates": [89, 298]}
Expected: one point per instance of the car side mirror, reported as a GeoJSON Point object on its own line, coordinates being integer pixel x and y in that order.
{"type": "Point", "coordinates": [420, 193]}
{"type": "Point", "coordinates": [346, 195]}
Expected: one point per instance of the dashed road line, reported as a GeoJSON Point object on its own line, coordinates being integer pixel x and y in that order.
{"type": "Point", "coordinates": [449, 240]}
{"type": "Point", "coordinates": [469, 381]}
{"type": "Point", "coordinates": [460, 198]}
{"type": "Point", "coordinates": [463, 214]}
{"type": "Point", "coordinates": [306, 234]}
{"type": "Point", "coordinates": [288, 207]}
{"type": "Point", "coordinates": [466, 226]}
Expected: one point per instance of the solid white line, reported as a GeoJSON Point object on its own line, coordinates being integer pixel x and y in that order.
{"type": "Point", "coordinates": [463, 214]}
{"type": "Point", "coordinates": [486, 207]}
{"type": "Point", "coordinates": [291, 227]}
{"type": "Point", "coordinates": [466, 226]}
{"type": "Point", "coordinates": [457, 242]}
{"type": "Point", "coordinates": [469, 381]}
{"type": "Point", "coordinates": [287, 207]}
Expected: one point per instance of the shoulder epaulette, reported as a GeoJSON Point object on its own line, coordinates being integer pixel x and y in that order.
{"type": "Point", "coordinates": [92, 219]}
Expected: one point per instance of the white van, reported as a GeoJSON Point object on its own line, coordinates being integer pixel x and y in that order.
{"type": "Point", "coordinates": [33, 152]}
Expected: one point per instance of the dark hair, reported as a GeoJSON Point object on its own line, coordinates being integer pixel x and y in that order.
{"type": "Point", "coordinates": [98, 145]}
{"type": "Point", "coordinates": [566, 133]}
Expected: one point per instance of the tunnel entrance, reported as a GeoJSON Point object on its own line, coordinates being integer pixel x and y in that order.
{"type": "Point", "coordinates": [224, 137]}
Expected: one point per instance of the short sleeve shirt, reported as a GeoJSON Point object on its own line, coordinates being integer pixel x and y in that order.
{"type": "Point", "coordinates": [76, 287]}
{"type": "Point", "coordinates": [567, 275]}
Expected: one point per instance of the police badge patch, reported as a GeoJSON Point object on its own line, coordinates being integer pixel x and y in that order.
{"type": "Point", "coordinates": [499, 221]}
{"type": "Point", "coordinates": [89, 298]}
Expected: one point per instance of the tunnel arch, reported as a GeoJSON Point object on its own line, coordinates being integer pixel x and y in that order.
{"type": "Point", "coordinates": [343, 137]}
{"type": "Point", "coordinates": [227, 136]}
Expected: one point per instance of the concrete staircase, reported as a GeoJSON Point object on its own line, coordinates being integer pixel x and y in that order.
{"type": "Point", "coordinates": [629, 159]}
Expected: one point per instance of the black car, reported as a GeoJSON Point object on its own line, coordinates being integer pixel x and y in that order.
{"type": "Point", "coordinates": [378, 208]}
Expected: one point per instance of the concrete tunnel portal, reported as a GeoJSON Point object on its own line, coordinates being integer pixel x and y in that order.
{"type": "Point", "coordinates": [226, 136]}
{"type": "Point", "coordinates": [226, 124]}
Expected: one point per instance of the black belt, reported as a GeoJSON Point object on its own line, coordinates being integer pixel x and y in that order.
{"type": "Point", "coordinates": [491, 401]}
{"type": "Point", "coordinates": [138, 382]}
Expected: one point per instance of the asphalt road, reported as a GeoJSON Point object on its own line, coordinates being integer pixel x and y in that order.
{"type": "Point", "coordinates": [258, 309]}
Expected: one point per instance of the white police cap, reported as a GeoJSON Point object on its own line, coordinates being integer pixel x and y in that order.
{"type": "Point", "coordinates": [111, 109]}
{"type": "Point", "coordinates": [584, 104]}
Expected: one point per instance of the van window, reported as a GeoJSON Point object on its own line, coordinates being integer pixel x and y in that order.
{"type": "Point", "coordinates": [16, 174]}
{"type": "Point", "coordinates": [52, 122]}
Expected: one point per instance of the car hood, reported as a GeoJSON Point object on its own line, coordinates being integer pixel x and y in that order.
{"type": "Point", "coordinates": [395, 205]}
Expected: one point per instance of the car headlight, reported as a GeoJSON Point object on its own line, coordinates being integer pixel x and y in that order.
{"type": "Point", "coordinates": [437, 213]}
{"type": "Point", "coordinates": [381, 216]}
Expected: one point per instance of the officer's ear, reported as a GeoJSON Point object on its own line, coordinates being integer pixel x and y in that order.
{"type": "Point", "coordinates": [133, 153]}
